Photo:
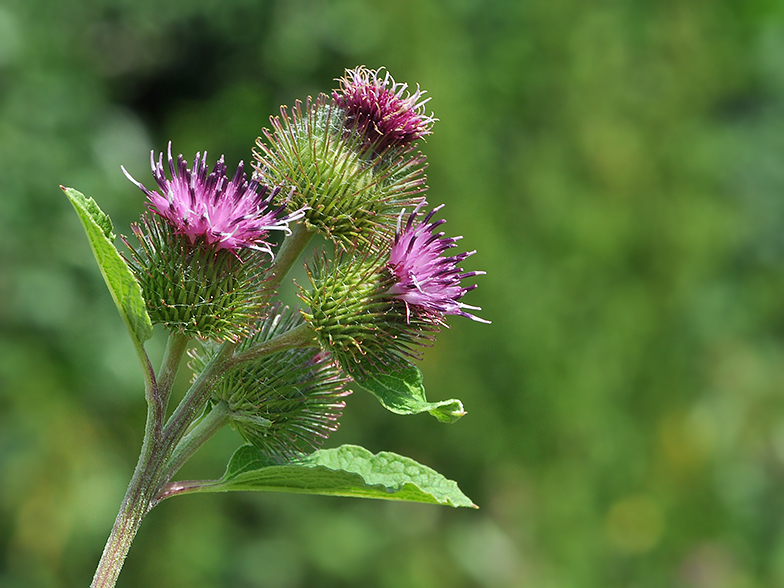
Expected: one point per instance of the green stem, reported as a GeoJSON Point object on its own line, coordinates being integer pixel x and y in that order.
{"type": "Point", "coordinates": [288, 254]}
{"type": "Point", "coordinates": [172, 357]}
{"type": "Point", "coordinates": [300, 336]}
{"type": "Point", "coordinates": [145, 481]}
{"type": "Point", "coordinates": [196, 399]}
{"type": "Point", "coordinates": [135, 504]}
{"type": "Point", "coordinates": [166, 448]}
{"type": "Point", "coordinates": [210, 424]}
{"type": "Point", "coordinates": [134, 508]}
{"type": "Point", "coordinates": [151, 393]}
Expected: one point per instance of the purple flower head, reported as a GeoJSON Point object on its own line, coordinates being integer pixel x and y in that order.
{"type": "Point", "coordinates": [426, 280]}
{"type": "Point", "coordinates": [227, 213]}
{"type": "Point", "coordinates": [381, 109]}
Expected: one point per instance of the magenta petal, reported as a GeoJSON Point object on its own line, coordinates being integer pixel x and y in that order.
{"type": "Point", "coordinates": [206, 205]}
{"type": "Point", "coordinates": [427, 280]}
{"type": "Point", "coordinates": [381, 109]}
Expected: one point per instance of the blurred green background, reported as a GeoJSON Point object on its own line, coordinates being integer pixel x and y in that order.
{"type": "Point", "coordinates": [619, 166]}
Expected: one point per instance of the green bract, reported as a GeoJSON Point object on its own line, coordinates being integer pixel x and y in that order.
{"type": "Point", "coordinates": [197, 290]}
{"type": "Point", "coordinates": [354, 317]}
{"type": "Point", "coordinates": [350, 198]}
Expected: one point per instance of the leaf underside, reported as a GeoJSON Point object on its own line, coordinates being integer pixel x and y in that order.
{"type": "Point", "coordinates": [403, 392]}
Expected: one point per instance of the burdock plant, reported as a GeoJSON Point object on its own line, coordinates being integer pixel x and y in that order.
{"type": "Point", "coordinates": [201, 262]}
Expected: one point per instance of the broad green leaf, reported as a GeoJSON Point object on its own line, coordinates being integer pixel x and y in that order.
{"type": "Point", "coordinates": [348, 470]}
{"type": "Point", "coordinates": [403, 392]}
{"type": "Point", "coordinates": [122, 284]}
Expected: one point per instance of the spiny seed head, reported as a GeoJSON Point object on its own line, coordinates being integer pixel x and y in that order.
{"type": "Point", "coordinates": [345, 196]}
{"type": "Point", "coordinates": [197, 290]}
{"type": "Point", "coordinates": [285, 403]}
{"type": "Point", "coordinates": [356, 319]}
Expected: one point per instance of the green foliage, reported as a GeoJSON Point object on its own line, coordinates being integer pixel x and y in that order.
{"type": "Point", "coordinates": [345, 471]}
{"type": "Point", "coordinates": [617, 166]}
{"type": "Point", "coordinates": [119, 279]}
{"type": "Point", "coordinates": [403, 392]}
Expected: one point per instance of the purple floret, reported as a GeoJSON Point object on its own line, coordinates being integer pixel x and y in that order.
{"type": "Point", "coordinates": [226, 213]}
{"type": "Point", "coordinates": [428, 282]}
{"type": "Point", "coordinates": [381, 109]}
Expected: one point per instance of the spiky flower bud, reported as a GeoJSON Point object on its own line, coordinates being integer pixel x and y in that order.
{"type": "Point", "coordinates": [346, 196]}
{"type": "Point", "coordinates": [381, 110]}
{"type": "Point", "coordinates": [202, 251]}
{"type": "Point", "coordinates": [284, 403]}
{"type": "Point", "coordinates": [356, 319]}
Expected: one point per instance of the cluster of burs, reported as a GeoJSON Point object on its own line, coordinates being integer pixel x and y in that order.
{"type": "Point", "coordinates": [345, 166]}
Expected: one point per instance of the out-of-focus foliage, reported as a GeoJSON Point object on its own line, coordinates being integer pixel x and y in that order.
{"type": "Point", "coordinates": [618, 165]}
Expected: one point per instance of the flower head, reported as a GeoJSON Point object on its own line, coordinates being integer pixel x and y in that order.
{"type": "Point", "coordinates": [226, 213]}
{"type": "Point", "coordinates": [284, 403]}
{"type": "Point", "coordinates": [347, 197]}
{"type": "Point", "coordinates": [427, 282]}
{"type": "Point", "coordinates": [355, 318]}
{"type": "Point", "coordinates": [381, 109]}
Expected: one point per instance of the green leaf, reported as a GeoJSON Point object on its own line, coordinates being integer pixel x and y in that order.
{"type": "Point", "coordinates": [348, 470]}
{"type": "Point", "coordinates": [122, 284]}
{"type": "Point", "coordinates": [402, 392]}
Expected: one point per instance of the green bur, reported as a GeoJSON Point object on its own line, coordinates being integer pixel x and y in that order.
{"type": "Point", "coordinates": [194, 289]}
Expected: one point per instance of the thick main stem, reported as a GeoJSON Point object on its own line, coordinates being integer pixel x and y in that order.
{"type": "Point", "coordinates": [134, 508]}
{"type": "Point", "coordinates": [146, 477]}
{"type": "Point", "coordinates": [166, 448]}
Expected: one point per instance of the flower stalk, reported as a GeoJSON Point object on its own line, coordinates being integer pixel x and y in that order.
{"type": "Point", "coordinates": [166, 448]}
{"type": "Point", "coordinates": [346, 166]}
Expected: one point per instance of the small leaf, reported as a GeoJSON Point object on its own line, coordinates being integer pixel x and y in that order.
{"type": "Point", "coordinates": [348, 470]}
{"type": "Point", "coordinates": [120, 280]}
{"type": "Point", "coordinates": [403, 392]}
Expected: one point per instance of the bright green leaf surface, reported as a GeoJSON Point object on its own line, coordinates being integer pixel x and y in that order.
{"type": "Point", "coordinates": [348, 470]}
{"type": "Point", "coordinates": [122, 284]}
{"type": "Point", "coordinates": [403, 392]}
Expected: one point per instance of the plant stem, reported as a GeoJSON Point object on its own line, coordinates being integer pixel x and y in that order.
{"type": "Point", "coordinates": [145, 481]}
{"type": "Point", "coordinates": [210, 424]}
{"type": "Point", "coordinates": [196, 399]}
{"type": "Point", "coordinates": [300, 336]}
{"type": "Point", "coordinates": [134, 508]}
{"type": "Point", "coordinates": [172, 357]}
{"type": "Point", "coordinates": [166, 448]}
{"type": "Point", "coordinates": [288, 253]}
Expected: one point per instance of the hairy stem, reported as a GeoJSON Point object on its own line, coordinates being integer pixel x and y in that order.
{"type": "Point", "coordinates": [146, 477]}
{"type": "Point", "coordinates": [196, 399]}
{"type": "Point", "coordinates": [300, 336]}
{"type": "Point", "coordinates": [166, 448]}
{"type": "Point", "coordinates": [289, 252]}
{"type": "Point", "coordinates": [135, 504]}
{"type": "Point", "coordinates": [210, 424]}
{"type": "Point", "coordinates": [172, 357]}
